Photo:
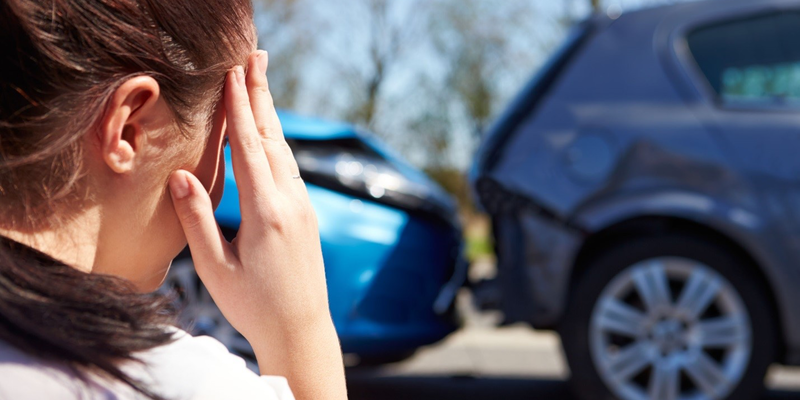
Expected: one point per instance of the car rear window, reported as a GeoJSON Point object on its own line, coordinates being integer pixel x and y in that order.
{"type": "Point", "coordinates": [754, 59]}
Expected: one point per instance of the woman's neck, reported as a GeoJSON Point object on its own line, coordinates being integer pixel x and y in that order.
{"type": "Point", "coordinates": [73, 242]}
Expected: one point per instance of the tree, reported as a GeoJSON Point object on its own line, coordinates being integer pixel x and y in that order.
{"type": "Point", "coordinates": [285, 32]}
{"type": "Point", "coordinates": [386, 27]}
{"type": "Point", "coordinates": [430, 131]}
{"type": "Point", "coordinates": [477, 40]}
{"type": "Point", "coordinates": [384, 46]}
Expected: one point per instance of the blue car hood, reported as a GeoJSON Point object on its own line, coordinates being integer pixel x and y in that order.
{"type": "Point", "coordinates": [308, 128]}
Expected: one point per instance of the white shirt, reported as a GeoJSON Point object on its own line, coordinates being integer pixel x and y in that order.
{"type": "Point", "coordinates": [190, 368]}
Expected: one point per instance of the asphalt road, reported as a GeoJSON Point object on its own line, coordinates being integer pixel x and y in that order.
{"type": "Point", "coordinates": [463, 388]}
{"type": "Point", "coordinates": [482, 362]}
{"type": "Point", "coordinates": [443, 388]}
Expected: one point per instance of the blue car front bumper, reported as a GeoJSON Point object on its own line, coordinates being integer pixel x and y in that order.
{"type": "Point", "coordinates": [386, 269]}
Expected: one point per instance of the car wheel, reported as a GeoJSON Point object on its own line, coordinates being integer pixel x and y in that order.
{"type": "Point", "coordinates": [669, 318]}
{"type": "Point", "coordinates": [199, 315]}
{"type": "Point", "coordinates": [377, 360]}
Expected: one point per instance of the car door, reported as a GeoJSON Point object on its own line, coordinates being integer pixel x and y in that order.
{"type": "Point", "coordinates": [750, 70]}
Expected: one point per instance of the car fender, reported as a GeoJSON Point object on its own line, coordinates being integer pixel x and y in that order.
{"type": "Point", "coordinates": [746, 228]}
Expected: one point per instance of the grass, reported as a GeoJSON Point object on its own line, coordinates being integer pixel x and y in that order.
{"type": "Point", "coordinates": [478, 238]}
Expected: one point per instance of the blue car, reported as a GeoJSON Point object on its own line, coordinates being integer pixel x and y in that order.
{"type": "Point", "coordinates": [391, 241]}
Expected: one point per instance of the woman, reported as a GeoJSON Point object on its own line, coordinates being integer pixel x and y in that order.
{"type": "Point", "coordinates": [113, 118]}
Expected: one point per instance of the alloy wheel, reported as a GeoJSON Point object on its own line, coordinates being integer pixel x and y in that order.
{"type": "Point", "coordinates": [670, 328]}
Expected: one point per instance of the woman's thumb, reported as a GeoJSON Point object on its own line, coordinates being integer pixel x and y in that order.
{"type": "Point", "coordinates": [196, 215]}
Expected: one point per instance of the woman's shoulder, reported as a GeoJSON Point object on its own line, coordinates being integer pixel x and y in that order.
{"type": "Point", "coordinates": [203, 365]}
{"type": "Point", "coordinates": [23, 376]}
{"type": "Point", "coordinates": [187, 368]}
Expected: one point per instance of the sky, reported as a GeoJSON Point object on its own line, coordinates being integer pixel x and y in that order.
{"type": "Point", "coordinates": [339, 59]}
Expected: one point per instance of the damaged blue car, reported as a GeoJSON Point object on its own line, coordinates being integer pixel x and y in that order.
{"type": "Point", "coordinates": [391, 241]}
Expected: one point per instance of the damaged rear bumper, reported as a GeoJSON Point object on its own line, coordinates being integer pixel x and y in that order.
{"type": "Point", "coordinates": [535, 251]}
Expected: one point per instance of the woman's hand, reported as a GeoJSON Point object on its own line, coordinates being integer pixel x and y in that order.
{"type": "Point", "coordinates": [270, 281]}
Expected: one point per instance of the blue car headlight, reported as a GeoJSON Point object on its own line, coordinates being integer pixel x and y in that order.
{"type": "Point", "coordinates": [350, 166]}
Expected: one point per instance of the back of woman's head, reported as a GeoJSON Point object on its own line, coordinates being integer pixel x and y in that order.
{"type": "Point", "coordinates": [61, 62]}
{"type": "Point", "coordinates": [62, 59]}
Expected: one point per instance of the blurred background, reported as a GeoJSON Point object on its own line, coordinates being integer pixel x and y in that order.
{"type": "Point", "coordinates": [427, 77]}
{"type": "Point", "coordinates": [559, 199]}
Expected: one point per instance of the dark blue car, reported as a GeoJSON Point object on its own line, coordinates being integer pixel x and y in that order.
{"type": "Point", "coordinates": [644, 192]}
{"type": "Point", "coordinates": [390, 239]}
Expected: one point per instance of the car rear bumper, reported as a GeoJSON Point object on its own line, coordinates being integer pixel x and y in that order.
{"type": "Point", "coordinates": [534, 265]}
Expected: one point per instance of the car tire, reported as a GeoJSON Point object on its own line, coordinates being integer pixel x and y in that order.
{"type": "Point", "coordinates": [378, 360]}
{"type": "Point", "coordinates": [199, 315]}
{"type": "Point", "coordinates": [601, 361]}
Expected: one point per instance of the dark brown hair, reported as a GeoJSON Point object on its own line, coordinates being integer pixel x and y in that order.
{"type": "Point", "coordinates": [61, 60]}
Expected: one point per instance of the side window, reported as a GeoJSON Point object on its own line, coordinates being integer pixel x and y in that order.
{"type": "Point", "coordinates": [751, 60]}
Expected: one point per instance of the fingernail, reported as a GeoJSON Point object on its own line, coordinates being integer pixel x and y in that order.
{"type": "Point", "coordinates": [239, 71]}
{"type": "Point", "coordinates": [178, 185]}
{"type": "Point", "coordinates": [263, 59]}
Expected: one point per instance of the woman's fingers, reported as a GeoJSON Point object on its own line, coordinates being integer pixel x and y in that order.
{"type": "Point", "coordinates": [279, 155]}
{"type": "Point", "coordinates": [267, 122]}
{"type": "Point", "coordinates": [209, 248]}
{"type": "Point", "coordinates": [250, 165]}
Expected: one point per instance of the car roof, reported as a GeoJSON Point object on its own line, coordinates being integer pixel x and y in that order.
{"type": "Point", "coordinates": [671, 16]}
{"type": "Point", "coordinates": [642, 55]}
{"type": "Point", "coordinates": [659, 33]}
{"type": "Point", "coordinates": [301, 127]}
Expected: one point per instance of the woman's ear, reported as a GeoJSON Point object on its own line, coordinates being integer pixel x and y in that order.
{"type": "Point", "coordinates": [122, 129]}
